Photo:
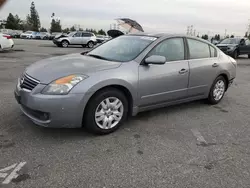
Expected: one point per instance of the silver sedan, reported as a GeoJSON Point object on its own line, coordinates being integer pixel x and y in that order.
{"type": "Point", "coordinates": [99, 89]}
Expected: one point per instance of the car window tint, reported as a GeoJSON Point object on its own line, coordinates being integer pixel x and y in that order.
{"type": "Point", "coordinates": [77, 35]}
{"type": "Point", "coordinates": [213, 51]}
{"type": "Point", "coordinates": [172, 49]}
{"type": "Point", "coordinates": [86, 34]}
{"type": "Point", "coordinates": [198, 49]}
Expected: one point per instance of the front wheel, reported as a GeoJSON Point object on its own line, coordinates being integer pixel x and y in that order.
{"type": "Point", "coordinates": [217, 90]}
{"type": "Point", "coordinates": [65, 44]}
{"type": "Point", "coordinates": [235, 54]}
{"type": "Point", "coordinates": [106, 111]}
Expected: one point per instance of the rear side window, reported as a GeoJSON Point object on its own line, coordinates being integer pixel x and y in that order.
{"type": "Point", "coordinates": [86, 34]}
{"type": "Point", "coordinates": [213, 51]}
{"type": "Point", "coordinates": [172, 49]}
{"type": "Point", "coordinates": [198, 49]}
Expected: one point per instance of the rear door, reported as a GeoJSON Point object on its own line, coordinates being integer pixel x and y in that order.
{"type": "Point", "coordinates": [204, 67]}
{"type": "Point", "coordinates": [86, 37]}
{"type": "Point", "coordinates": [244, 47]}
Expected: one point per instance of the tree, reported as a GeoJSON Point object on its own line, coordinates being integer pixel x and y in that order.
{"type": "Point", "coordinates": [246, 34]}
{"type": "Point", "coordinates": [232, 36]}
{"type": "Point", "coordinates": [73, 28]}
{"type": "Point", "coordinates": [43, 29]}
{"type": "Point", "coordinates": [11, 22]}
{"type": "Point", "coordinates": [218, 37]}
{"type": "Point", "coordinates": [55, 26]}
{"type": "Point", "coordinates": [205, 37]}
{"type": "Point", "coordinates": [33, 19]}
{"type": "Point", "coordinates": [101, 32]}
{"type": "Point", "coordinates": [66, 30]}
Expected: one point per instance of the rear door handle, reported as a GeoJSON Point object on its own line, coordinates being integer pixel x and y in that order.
{"type": "Point", "coordinates": [183, 71]}
{"type": "Point", "coordinates": [215, 65]}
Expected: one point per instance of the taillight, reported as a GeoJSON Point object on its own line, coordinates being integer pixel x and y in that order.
{"type": "Point", "coordinates": [7, 36]}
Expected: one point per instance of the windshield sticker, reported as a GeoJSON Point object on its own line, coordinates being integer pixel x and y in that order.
{"type": "Point", "coordinates": [149, 38]}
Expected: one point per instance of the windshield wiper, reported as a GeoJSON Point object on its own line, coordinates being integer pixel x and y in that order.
{"type": "Point", "coordinates": [98, 57]}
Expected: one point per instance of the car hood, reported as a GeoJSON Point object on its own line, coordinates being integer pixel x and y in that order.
{"type": "Point", "coordinates": [48, 70]}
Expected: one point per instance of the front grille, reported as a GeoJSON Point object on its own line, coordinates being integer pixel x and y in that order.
{"type": "Point", "coordinates": [27, 82]}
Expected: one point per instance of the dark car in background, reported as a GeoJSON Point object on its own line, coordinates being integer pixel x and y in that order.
{"type": "Point", "coordinates": [235, 46]}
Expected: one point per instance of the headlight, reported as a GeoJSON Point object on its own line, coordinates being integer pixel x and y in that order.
{"type": "Point", "coordinates": [62, 86]}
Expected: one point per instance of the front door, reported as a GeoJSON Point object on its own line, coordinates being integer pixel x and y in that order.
{"type": "Point", "coordinates": [168, 82]}
{"type": "Point", "coordinates": [76, 38]}
{"type": "Point", "coordinates": [244, 47]}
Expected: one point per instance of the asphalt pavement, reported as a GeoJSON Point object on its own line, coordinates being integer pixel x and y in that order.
{"type": "Point", "coordinates": [191, 145]}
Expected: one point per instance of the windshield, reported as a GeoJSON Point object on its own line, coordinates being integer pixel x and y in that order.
{"type": "Point", "coordinates": [122, 49]}
{"type": "Point", "coordinates": [229, 41]}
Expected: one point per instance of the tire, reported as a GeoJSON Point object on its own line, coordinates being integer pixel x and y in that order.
{"type": "Point", "coordinates": [221, 85]}
{"type": "Point", "coordinates": [64, 44]}
{"type": "Point", "coordinates": [235, 54]}
{"type": "Point", "coordinates": [90, 119]}
{"type": "Point", "coordinates": [90, 44]}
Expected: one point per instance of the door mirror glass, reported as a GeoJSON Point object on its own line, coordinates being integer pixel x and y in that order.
{"type": "Point", "coordinates": [156, 59]}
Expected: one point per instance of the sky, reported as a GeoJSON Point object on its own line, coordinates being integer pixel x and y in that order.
{"type": "Point", "coordinates": [172, 16]}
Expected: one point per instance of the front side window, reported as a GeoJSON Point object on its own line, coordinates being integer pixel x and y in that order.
{"type": "Point", "coordinates": [78, 35]}
{"type": "Point", "coordinates": [172, 49]}
{"type": "Point", "coordinates": [198, 49]}
{"type": "Point", "coordinates": [123, 48]}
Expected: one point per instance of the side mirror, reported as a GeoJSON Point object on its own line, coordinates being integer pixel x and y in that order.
{"type": "Point", "coordinates": [156, 60]}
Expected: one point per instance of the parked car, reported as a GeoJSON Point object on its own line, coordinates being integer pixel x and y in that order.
{"type": "Point", "coordinates": [42, 36]}
{"type": "Point", "coordinates": [15, 35]}
{"type": "Point", "coordinates": [76, 38]}
{"type": "Point", "coordinates": [101, 38]}
{"type": "Point", "coordinates": [6, 42]}
{"type": "Point", "coordinates": [132, 73]}
{"type": "Point", "coordinates": [235, 46]}
{"type": "Point", "coordinates": [28, 35]}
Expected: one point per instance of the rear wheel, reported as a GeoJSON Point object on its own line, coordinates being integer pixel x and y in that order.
{"type": "Point", "coordinates": [217, 90]}
{"type": "Point", "coordinates": [90, 44]}
{"type": "Point", "coordinates": [65, 44]}
{"type": "Point", "coordinates": [106, 111]}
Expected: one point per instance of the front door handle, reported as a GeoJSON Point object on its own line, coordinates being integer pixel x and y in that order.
{"type": "Point", "coordinates": [215, 65]}
{"type": "Point", "coordinates": [183, 71]}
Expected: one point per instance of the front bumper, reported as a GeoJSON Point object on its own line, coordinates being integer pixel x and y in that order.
{"type": "Point", "coordinates": [55, 111]}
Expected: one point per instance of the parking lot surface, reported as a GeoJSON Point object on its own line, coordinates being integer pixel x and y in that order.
{"type": "Point", "coordinates": [189, 145]}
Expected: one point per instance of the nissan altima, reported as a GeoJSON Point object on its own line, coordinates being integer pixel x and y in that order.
{"type": "Point", "coordinates": [132, 73]}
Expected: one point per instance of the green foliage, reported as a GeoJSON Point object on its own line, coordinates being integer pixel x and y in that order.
{"type": "Point", "coordinates": [232, 36]}
{"type": "Point", "coordinates": [33, 20]}
{"type": "Point", "coordinates": [101, 32]}
{"type": "Point", "coordinates": [11, 22]}
{"type": "Point", "coordinates": [73, 28]}
{"type": "Point", "coordinates": [43, 29]}
{"type": "Point", "coordinates": [246, 34]}
{"type": "Point", "coordinates": [205, 37]}
{"type": "Point", "coordinates": [217, 37]}
{"type": "Point", "coordinates": [66, 30]}
{"type": "Point", "coordinates": [55, 26]}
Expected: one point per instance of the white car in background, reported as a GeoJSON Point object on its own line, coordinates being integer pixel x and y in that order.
{"type": "Point", "coordinates": [6, 42]}
{"type": "Point", "coordinates": [28, 35]}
